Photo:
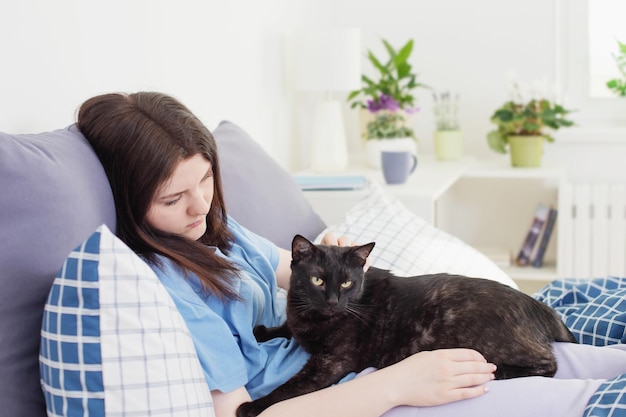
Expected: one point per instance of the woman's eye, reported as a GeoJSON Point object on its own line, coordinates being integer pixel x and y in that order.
{"type": "Point", "coordinates": [346, 284]}
{"type": "Point", "coordinates": [172, 202]}
{"type": "Point", "coordinates": [317, 281]}
{"type": "Point", "coordinates": [207, 176]}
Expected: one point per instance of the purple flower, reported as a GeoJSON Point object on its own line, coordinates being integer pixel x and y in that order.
{"type": "Point", "coordinates": [384, 102]}
{"type": "Point", "coordinates": [388, 103]}
{"type": "Point", "coordinates": [412, 110]}
{"type": "Point", "coordinates": [373, 106]}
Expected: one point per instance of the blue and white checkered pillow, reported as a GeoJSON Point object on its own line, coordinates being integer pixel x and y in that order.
{"type": "Point", "coordinates": [409, 245]}
{"type": "Point", "coordinates": [113, 342]}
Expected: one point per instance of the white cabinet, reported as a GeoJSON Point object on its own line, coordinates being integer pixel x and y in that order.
{"type": "Point", "coordinates": [493, 205]}
{"type": "Point", "coordinates": [430, 181]}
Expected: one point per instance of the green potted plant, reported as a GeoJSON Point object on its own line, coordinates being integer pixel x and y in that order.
{"type": "Point", "coordinates": [523, 123]}
{"type": "Point", "coordinates": [618, 85]}
{"type": "Point", "coordinates": [448, 138]}
{"type": "Point", "coordinates": [387, 103]}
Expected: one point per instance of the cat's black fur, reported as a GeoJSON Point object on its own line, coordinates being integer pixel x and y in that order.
{"type": "Point", "coordinates": [380, 319]}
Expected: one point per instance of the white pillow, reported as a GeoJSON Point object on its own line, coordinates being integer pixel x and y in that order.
{"type": "Point", "coordinates": [113, 342]}
{"type": "Point", "coordinates": [409, 245]}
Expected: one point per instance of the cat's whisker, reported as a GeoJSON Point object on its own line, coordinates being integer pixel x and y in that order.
{"type": "Point", "coordinates": [361, 312]}
{"type": "Point", "coordinates": [301, 305]}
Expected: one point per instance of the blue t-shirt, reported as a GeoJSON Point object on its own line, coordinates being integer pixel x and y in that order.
{"type": "Point", "coordinates": [222, 330]}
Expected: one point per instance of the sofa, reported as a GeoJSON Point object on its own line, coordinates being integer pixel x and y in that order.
{"type": "Point", "coordinates": [54, 194]}
{"type": "Point", "coordinates": [57, 228]}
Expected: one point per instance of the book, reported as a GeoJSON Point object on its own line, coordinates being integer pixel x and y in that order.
{"type": "Point", "coordinates": [331, 182]}
{"type": "Point", "coordinates": [541, 215]}
{"type": "Point", "coordinates": [545, 238]}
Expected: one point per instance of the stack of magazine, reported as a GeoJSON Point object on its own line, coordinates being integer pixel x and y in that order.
{"type": "Point", "coordinates": [331, 182]}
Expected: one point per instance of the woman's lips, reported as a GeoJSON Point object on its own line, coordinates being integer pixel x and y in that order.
{"type": "Point", "coordinates": [196, 224]}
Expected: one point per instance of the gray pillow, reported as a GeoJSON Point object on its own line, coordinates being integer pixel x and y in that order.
{"type": "Point", "coordinates": [53, 194]}
{"type": "Point", "coordinates": [259, 193]}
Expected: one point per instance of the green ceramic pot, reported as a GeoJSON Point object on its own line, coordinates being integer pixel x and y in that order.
{"type": "Point", "coordinates": [448, 145]}
{"type": "Point", "coordinates": [526, 151]}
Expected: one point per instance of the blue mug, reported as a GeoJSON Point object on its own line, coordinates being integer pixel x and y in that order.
{"type": "Point", "coordinates": [397, 166]}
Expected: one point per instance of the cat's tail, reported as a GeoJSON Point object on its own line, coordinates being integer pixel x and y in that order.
{"type": "Point", "coordinates": [554, 325]}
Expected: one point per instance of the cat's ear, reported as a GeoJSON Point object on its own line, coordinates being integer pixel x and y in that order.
{"type": "Point", "coordinates": [363, 251]}
{"type": "Point", "coordinates": [301, 247]}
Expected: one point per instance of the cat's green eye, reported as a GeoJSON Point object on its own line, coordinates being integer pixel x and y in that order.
{"type": "Point", "coordinates": [317, 281]}
{"type": "Point", "coordinates": [346, 284]}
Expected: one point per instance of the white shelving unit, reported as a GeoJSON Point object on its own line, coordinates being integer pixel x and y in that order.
{"type": "Point", "coordinates": [486, 203]}
{"type": "Point", "coordinates": [493, 204]}
{"type": "Point", "coordinates": [430, 181]}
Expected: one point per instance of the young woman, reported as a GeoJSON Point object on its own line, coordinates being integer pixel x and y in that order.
{"type": "Point", "coordinates": [164, 171]}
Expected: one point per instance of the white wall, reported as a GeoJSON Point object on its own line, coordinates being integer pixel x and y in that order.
{"type": "Point", "coordinates": [464, 46]}
{"type": "Point", "coordinates": [227, 59]}
{"type": "Point", "coordinates": [223, 59]}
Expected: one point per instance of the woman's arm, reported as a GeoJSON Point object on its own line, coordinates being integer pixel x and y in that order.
{"type": "Point", "coordinates": [283, 270]}
{"type": "Point", "coordinates": [423, 379]}
{"type": "Point", "coordinates": [225, 403]}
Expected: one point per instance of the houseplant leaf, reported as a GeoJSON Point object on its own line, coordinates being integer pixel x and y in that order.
{"type": "Point", "coordinates": [496, 141]}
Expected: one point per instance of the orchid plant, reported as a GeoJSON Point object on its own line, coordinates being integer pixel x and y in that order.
{"type": "Point", "coordinates": [528, 113]}
{"type": "Point", "coordinates": [390, 96]}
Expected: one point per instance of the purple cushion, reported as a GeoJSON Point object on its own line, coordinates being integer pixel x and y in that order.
{"type": "Point", "coordinates": [53, 194]}
{"type": "Point", "coordinates": [259, 193]}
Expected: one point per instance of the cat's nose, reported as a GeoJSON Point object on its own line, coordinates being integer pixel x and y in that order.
{"type": "Point", "coordinates": [332, 301]}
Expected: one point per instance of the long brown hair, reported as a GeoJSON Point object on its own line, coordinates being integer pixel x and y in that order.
{"type": "Point", "coordinates": [140, 138]}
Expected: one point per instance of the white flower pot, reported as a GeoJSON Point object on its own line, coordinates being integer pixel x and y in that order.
{"type": "Point", "coordinates": [373, 147]}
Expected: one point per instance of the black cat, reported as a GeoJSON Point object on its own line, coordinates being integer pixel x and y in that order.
{"type": "Point", "coordinates": [349, 320]}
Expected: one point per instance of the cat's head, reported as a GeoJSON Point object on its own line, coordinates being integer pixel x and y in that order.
{"type": "Point", "coordinates": [326, 278]}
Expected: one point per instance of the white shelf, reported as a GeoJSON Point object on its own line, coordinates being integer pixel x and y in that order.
{"type": "Point", "coordinates": [501, 169]}
{"type": "Point", "coordinates": [425, 186]}
{"type": "Point", "coordinates": [431, 178]}
{"type": "Point", "coordinates": [498, 202]}
{"type": "Point", "coordinates": [529, 273]}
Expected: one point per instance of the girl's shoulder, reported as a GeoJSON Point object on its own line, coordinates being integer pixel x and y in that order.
{"type": "Point", "coordinates": [249, 241]}
{"type": "Point", "coordinates": [181, 285]}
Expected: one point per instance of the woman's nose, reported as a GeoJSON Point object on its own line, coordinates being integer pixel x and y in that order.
{"type": "Point", "coordinates": [199, 206]}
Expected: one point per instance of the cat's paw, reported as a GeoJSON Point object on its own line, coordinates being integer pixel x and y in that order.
{"type": "Point", "coordinates": [261, 333]}
{"type": "Point", "coordinates": [249, 409]}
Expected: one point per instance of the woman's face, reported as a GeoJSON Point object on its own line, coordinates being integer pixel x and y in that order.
{"type": "Point", "coordinates": [181, 204]}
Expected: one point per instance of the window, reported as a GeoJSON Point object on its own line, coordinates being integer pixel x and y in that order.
{"type": "Point", "coordinates": [586, 36]}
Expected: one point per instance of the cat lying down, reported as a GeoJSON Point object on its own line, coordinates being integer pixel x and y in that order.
{"type": "Point", "coordinates": [349, 320]}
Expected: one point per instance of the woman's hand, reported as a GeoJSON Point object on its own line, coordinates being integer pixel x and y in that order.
{"type": "Point", "coordinates": [424, 379]}
{"type": "Point", "coordinates": [330, 239]}
{"type": "Point", "coordinates": [440, 377]}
